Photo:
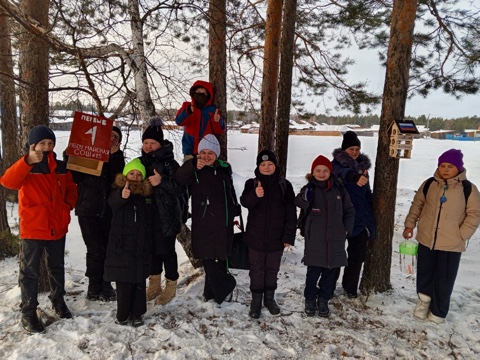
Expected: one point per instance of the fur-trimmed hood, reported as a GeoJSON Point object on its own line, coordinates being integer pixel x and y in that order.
{"type": "Point", "coordinates": [136, 187]}
{"type": "Point", "coordinates": [361, 163]}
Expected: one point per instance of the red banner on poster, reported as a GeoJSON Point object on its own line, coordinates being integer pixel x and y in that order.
{"type": "Point", "coordinates": [90, 137]}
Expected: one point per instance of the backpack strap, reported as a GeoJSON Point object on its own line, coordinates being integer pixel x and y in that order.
{"type": "Point", "coordinates": [467, 188]}
{"type": "Point", "coordinates": [427, 186]}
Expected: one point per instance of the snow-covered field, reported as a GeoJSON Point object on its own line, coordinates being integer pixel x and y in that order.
{"type": "Point", "coordinates": [380, 327]}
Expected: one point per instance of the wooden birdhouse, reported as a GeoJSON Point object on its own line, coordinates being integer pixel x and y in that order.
{"type": "Point", "coordinates": [401, 138]}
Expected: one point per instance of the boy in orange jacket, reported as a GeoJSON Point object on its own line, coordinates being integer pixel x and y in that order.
{"type": "Point", "coordinates": [46, 195]}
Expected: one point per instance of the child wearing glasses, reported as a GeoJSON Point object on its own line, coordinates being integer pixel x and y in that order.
{"type": "Point", "coordinates": [199, 117]}
{"type": "Point", "coordinates": [446, 215]}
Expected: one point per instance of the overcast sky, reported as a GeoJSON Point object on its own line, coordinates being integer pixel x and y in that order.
{"type": "Point", "coordinates": [367, 68]}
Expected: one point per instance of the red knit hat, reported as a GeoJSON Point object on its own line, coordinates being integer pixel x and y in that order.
{"type": "Point", "coordinates": [321, 160]}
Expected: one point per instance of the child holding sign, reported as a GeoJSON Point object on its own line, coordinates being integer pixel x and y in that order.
{"type": "Point", "coordinates": [129, 246]}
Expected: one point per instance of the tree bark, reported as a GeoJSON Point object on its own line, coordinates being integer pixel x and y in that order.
{"type": "Point", "coordinates": [217, 54]}
{"type": "Point", "coordinates": [285, 83]}
{"type": "Point", "coordinates": [376, 275]}
{"type": "Point", "coordinates": [9, 146]}
{"type": "Point", "coordinates": [33, 65]}
{"type": "Point", "coordinates": [138, 65]}
{"type": "Point", "coordinates": [273, 26]}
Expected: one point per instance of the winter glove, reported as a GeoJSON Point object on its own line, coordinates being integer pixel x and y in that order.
{"type": "Point", "coordinates": [353, 176]}
{"type": "Point", "coordinates": [308, 195]}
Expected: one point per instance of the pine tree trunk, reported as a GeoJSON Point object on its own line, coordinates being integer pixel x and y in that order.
{"type": "Point", "coordinates": [285, 83]}
{"type": "Point", "coordinates": [376, 275]}
{"type": "Point", "coordinates": [34, 66]}
{"type": "Point", "coordinates": [273, 26]}
{"type": "Point", "coordinates": [9, 146]}
{"type": "Point", "coordinates": [217, 54]}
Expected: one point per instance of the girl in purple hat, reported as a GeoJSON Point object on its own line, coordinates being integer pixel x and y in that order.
{"type": "Point", "coordinates": [446, 211]}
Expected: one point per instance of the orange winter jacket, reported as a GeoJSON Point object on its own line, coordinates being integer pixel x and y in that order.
{"type": "Point", "coordinates": [46, 195]}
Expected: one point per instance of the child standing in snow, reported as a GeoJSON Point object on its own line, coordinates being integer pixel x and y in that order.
{"type": "Point", "coordinates": [214, 206]}
{"type": "Point", "coordinates": [329, 219]}
{"type": "Point", "coordinates": [129, 246]}
{"type": "Point", "coordinates": [447, 216]}
{"type": "Point", "coordinates": [271, 226]}
{"type": "Point", "coordinates": [46, 195]}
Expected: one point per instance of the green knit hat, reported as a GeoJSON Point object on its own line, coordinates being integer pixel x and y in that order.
{"type": "Point", "coordinates": [135, 164]}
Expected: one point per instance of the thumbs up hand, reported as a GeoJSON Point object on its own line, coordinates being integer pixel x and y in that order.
{"type": "Point", "coordinates": [216, 116]}
{"type": "Point", "coordinates": [155, 179]}
{"type": "Point", "coordinates": [200, 162]}
{"type": "Point", "coordinates": [259, 190]}
{"type": "Point", "coordinates": [34, 156]}
{"type": "Point", "coordinates": [126, 191]}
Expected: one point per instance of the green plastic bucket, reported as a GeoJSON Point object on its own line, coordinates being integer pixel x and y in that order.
{"type": "Point", "coordinates": [409, 247]}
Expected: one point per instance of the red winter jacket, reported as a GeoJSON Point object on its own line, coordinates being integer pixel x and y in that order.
{"type": "Point", "coordinates": [46, 195]}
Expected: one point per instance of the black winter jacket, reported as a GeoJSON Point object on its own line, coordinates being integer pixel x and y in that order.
{"type": "Point", "coordinates": [129, 245]}
{"type": "Point", "coordinates": [93, 191]}
{"type": "Point", "coordinates": [348, 169]}
{"type": "Point", "coordinates": [330, 219]}
{"type": "Point", "coordinates": [167, 196]}
{"type": "Point", "coordinates": [214, 206]}
{"type": "Point", "coordinates": [272, 218]}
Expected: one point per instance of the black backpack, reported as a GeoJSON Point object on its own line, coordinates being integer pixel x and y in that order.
{"type": "Point", "coordinates": [467, 188]}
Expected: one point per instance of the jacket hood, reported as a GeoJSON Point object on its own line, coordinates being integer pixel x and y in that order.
{"type": "Point", "coordinates": [361, 163]}
{"type": "Point", "coordinates": [143, 188]}
{"type": "Point", "coordinates": [206, 85]}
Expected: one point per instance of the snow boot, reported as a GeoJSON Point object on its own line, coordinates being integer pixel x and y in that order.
{"type": "Point", "coordinates": [323, 310]}
{"type": "Point", "coordinates": [61, 309]}
{"type": "Point", "coordinates": [154, 286]}
{"type": "Point", "coordinates": [435, 319]}
{"type": "Point", "coordinates": [32, 324]}
{"type": "Point", "coordinates": [310, 307]}
{"type": "Point", "coordinates": [108, 292]}
{"type": "Point", "coordinates": [94, 288]}
{"type": "Point", "coordinates": [270, 303]}
{"type": "Point", "coordinates": [423, 306]}
{"type": "Point", "coordinates": [168, 293]}
{"type": "Point", "coordinates": [256, 305]}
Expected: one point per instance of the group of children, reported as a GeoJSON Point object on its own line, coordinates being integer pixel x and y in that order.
{"type": "Point", "coordinates": [146, 204]}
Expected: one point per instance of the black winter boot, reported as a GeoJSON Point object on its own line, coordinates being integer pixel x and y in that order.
{"type": "Point", "coordinates": [108, 292]}
{"type": "Point", "coordinates": [323, 310]}
{"type": "Point", "coordinates": [310, 307]}
{"type": "Point", "coordinates": [256, 305]}
{"type": "Point", "coordinates": [94, 288]}
{"type": "Point", "coordinates": [32, 324]}
{"type": "Point", "coordinates": [270, 303]}
{"type": "Point", "coordinates": [61, 309]}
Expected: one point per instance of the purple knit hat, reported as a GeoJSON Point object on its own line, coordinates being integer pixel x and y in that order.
{"type": "Point", "coordinates": [452, 156]}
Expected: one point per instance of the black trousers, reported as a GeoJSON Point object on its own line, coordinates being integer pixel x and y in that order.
{"type": "Point", "coordinates": [326, 279]}
{"type": "Point", "coordinates": [356, 252]}
{"type": "Point", "coordinates": [218, 281]}
{"type": "Point", "coordinates": [264, 267]}
{"type": "Point", "coordinates": [30, 257]}
{"type": "Point", "coordinates": [436, 274]}
{"type": "Point", "coordinates": [131, 300]}
{"type": "Point", "coordinates": [95, 233]}
{"type": "Point", "coordinates": [167, 260]}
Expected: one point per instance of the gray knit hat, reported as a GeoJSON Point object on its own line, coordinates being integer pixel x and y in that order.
{"type": "Point", "coordinates": [209, 142]}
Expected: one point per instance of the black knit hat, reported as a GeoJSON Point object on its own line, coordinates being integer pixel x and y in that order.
{"type": "Point", "coordinates": [154, 130]}
{"type": "Point", "coordinates": [266, 155]}
{"type": "Point", "coordinates": [39, 133]}
{"type": "Point", "coordinates": [350, 139]}
{"type": "Point", "coordinates": [119, 132]}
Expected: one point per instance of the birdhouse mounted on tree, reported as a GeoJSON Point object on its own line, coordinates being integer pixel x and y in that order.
{"type": "Point", "coordinates": [401, 138]}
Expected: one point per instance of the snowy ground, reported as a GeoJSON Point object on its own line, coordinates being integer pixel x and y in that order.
{"type": "Point", "coordinates": [380, 327]}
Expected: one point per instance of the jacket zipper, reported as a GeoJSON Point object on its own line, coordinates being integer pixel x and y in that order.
{"type": "Point", "coordinates": [134, 213]}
